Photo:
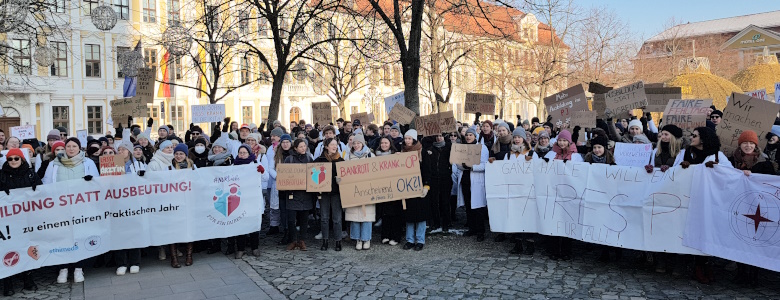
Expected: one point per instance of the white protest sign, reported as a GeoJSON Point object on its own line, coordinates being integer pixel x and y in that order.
{"type": "Point", "coordinates": [597, 203]}
{"type": "Point", "coordinates": [82, 136]}
{"type": "Point", "coordinates": [208, 113]}
{"type": "Point", "coordinates": [23, 132]}
{"type": "Point", "coordinates": [78, 219]}
{"type": "Point", "coordinates": [634, 155]}
{"type": "Point", "coordinates": [392, 100]}
{"type": "Point", "coordinates": [759, 94]}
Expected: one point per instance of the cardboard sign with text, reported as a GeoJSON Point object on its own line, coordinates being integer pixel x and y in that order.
{"type": "Point", "coordinates": [658, 96]}
{"type": "Point", "coordinates": [627, 98]}
{"type": "Point", "coordinates": [392, 100]}
{"type": "Point", "coordinates": [634, 155]}
{"type": "Point", "coordinates": [364, 117]}
{"type": "Point", "coordinates": [599, 105]}
{"type": "Point", "coordinates": [480, 103]}
{"type": "Point", "coordinates": [24, 132]}
{"type": "Point", "coordinates": [562, 104]}
{"type": "Point", "coordinates": [687, 114]}
{"type": "Point", "coordinates": [745, 113]}
{"type": "Point", "coordinates": [123, 107]}
{"type": "Point", "coordinates": [435, 124]}
{"type": "Point", "coordinates": [207, 113]}
{"type": "Point", "coordinates": [291, 177]}
{"type": "Point", "coordinates": [112, 165]}
{"type": "Point", "coordinates": [321, 113]}
{"type": "Point", "coordinates": [319, 177]}
{"type": "Point", "coordinates": [401, 114]}
{"type": "Point", "coordinates": [466, 154]}
{"type": "Point", "coordinates": [584, 119]}
{"type": "Point", "coordinates": [379, 179]}
{"type": "Point", "coordinates": [144, 91]}
{"type": "Point", "coordinates": [758, 94]}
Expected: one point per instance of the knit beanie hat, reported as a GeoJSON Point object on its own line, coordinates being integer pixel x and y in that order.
{"type": "Point", "coordinates": [277, 132]}
{"type": "Point", "coordinates": [534, 120]}
{"type": "Point", "coordinates": [202, 141]}
{"type": "Point", "coordinates": [717, 112]}
{"type": "Point", "coordinates": [410, 133]}
{"type": "Point", "coordinates": [181, 148]}
{"type": "Point", "coordinates": [361, 139]}
{"type": "Point", "coordinates": [519, 131]}
{"type": "Point", "coordinates": [472, 131]}
{"type": "Point", "coordinates": [538, 130]}
{"type": "Point", "coordinates": [748, 136]}
{"type": "Point", "coordinates": [258, 137]}
{"type": "Point", "coordinates": [54, 134]}
{"type": "Point", "coordinates": [15, 152]}
{"type": "Point", "coordinates": [503, 124]}
{"type": "Point", "coordinates": [125, 143]}
{"type": "Point", "coordinates": [142, 135]}
{"type": "Point", "coordinates": [136, 131]}
{"type": "Point", "coordinates": [637, 123]}
{"type": "Point", "coordinates": [233, 135]}
{"type": "Point", "coordinates": [62, 129]}
{"type": "Point", "coordinates": [525, 122]}
{"type": "Point", "coordinates": [57, 144]}
{"type": "Point", "coordinates": [673, 129]}
{"type": "Point", "coordinates": [167, 130]}
{"type": "Point", "coordinates": [165, 144]}
{"type": "Point", "coordinates": [73, 139]}
{"type": "Point", "coordinates": [396, 127]}
{"type": "Point", "coordinates": [600, 140]}
{"type": "Point", "coordinates": [286, 137]}
{"type": "Point", "coordinates": [641, 138]}
{"type": "Point", "coordinates": [222, 141]}
{"type": "Point", "coordinates": [565, 135]}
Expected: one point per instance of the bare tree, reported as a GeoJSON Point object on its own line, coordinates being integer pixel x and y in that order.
{"type": "Point", "coordinates": [602, 48]}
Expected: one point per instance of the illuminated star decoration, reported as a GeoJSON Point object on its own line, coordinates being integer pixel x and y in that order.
{"type": "Point", "coordinates": [758, 218]}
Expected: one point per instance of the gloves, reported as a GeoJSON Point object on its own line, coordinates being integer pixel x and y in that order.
{"type": "Point", "coordinates": [425, 191]}
{"type": "Point", "coordinates": [649, 116]}
{"type": "Point", "coordinates": [685, 164]}
{"type": "Point", "coordinates": [565, 160]}
{"type": "Point", "coordinates": [227, 120]}
{"type": "Point", "coordinates": [88, 178]}
{"type": "Point", "coordinates": [479, 114]}
{"type": "Point", "coordinates": [338, 180]}
{"type": "Point", "coordinates": [496, 116]}
{"type": "Point", "coordinates": [192, 126]}
{"type": "Point", "coordinates": [649, 168]}
{"type": "Point", "coordinates": [528, 158]}
{"type": "Point", "coordinates": [129, 120]}
{"type": "Point", "coordinates": [34, 186]}
{"type": "Point", "coordinates": [260, 169]}
{"type": "Point", "coordinates": [518, 117]}
{"type": "Point", "coordinates": [7, 192]}
{"type": "Point", "coordinates": [549, 118]}
{"type": "Point", "coordinates": [141, 173]}
{"type": "Point", "coordinates": [710, 164]}
{"type": "Point", "coordinates": [546, 159]}
{"type": "Point", "coordinates": [465, 167]}
{"type": "Point", "coordinates": [491, 160]}
{"type": "Point", "coordinates": [149, 122]}
{"type": "Point", "coordinates": [664, 168]}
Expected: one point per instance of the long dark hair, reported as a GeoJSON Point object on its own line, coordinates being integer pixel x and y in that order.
{"type": "Point", "coordinates": [296, 143]}
{"type": "Point", "coordinates": [389, 140]}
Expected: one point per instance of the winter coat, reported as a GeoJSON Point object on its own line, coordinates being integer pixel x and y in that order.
{"type": "Point", "coordinates": [271, 169]}
{"type": "Point", "coordinates": [200, 160]}
{"type": "Point", "coordinates": [298, 200]}
{"type": "Point", "coordinates": [133, 166]}
{"type": "Point", "coordinates": [418, 209]}
{"type": "Point", "coordinates": [365, 213]}
{"type": "Point", "coordinates": [478, 194]}
{"type": "Point", "coordinates": [436, 168]}
{"type": "Point", "coordinates": [51, 172]}
{"type": "Point", "coordinates": [372, 141]}
{"type": "Point", "coordinates": [20, 177]}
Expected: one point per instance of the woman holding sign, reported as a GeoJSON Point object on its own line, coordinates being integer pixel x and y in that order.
{"type": "Point", "coordinates": [417, 209]}
{"type": "Point", "coordinates": [278, 214]}
{"type": "Point", "coordinates": [362, 217]}
{"type": "Point", "coordinates": [564, 149]}
{"type": "Point", "coordinates": [668, 152]}
{"type": "Point", "coordinates": [471, 181]}
{"type": "Point", "coordinates": [330, 202]}
{"type": "Point", "coordinates": [392, 211]}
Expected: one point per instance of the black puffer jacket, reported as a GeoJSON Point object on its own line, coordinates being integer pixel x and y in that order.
{"type": "Point", "coordinates": [300, 200]}
{"type": "Point", "coordinates": [200, 160]}
{"type": "Point", "coordinates": [21, 177]}
{"type": "Point", "coordinates": [436, 167]}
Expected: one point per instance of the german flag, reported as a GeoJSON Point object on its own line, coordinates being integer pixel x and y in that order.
{"type": "Point", "coordinates": [165, 90]}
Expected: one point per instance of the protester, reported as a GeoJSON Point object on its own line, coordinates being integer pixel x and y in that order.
{"type": "Point", "coordinates": [246, 157]}
{"type": "Point", "coordinates": [543, 146]}
{"type": "Point", "coordinates": [668, 151]}
{"type": "Point", "coordinates": [564, 149]}
{"type": "Point", "coordinates": [520, 150]}
{"type": "Point", "coordinates": [278, 214]}
{"type": "Point", "coordinates": [328, 133]}
{"type": "Point", "coordinates": [417, 209]}
{"type": "Point", "coordinates": [436, 171]}
{"type": "Point", "coordinates": [486, 136]}
{"type": "Point", "coordinates": [391, 212]}
{"type": "Point", "coordinates": [199, 152]}
{"type": "Point", "coordinates": [330, 202]}
{"type": "Point", "coordinates": [472, 190]}
{"type": "Point", "coordinates": [146, 145]}
{"type": "Point", "coordinates": [361, 217]}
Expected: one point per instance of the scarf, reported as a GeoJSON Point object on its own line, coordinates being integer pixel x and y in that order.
{"type": "Point", "coordinates": [542, 151]}
{"type": "Point", "coordinates": [439, 144]}
{"type": "Point", "coordinates": [695, 156]}
{"type": "Point", "coordinates": [243, 161]}
{"type": "Point", "coordinates": [518, 148]}
{"type": "Point", "coordinates": [219, 159]}
{"type": "Point", "coordinates": [360, 153]}
{"type": "Point", "coordinates": [598, 159]}
{"type": "Point", "coordinates": [504, 140]}
{"type": "Point", "coordinates": [382, 153]}
{"type": "Point", "coordinates": [745, 161]}
{"type": "Point", "coordinates": [564, 154]}
{"type": "Point", "coordinates": [330, 157]}
{"type": "Point", "coordinates": [163, 158]}
{"type": "Point", "coordinates": [183, 164]}
{"type": "Point", "coordinates": [72, 161]}
{"type": "Point", "coordinates": [414, 147]}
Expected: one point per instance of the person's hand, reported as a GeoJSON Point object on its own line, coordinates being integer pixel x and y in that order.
{"type": "Point", "coordinates": [260, 169]}
{"type": "Point", "coordinates": [338, 180]}
{"type": "Point", "coordinates": [549, 118]}
{"type": "Point", "coordinates": [747, 173]}
{"type": "Point", "coordinates": [495, 117]}
{"type": "Point", "coordinates": [518, 117]}
{"type": "Point", "coordinates": [34, 186]}
{"type": "Point", "coordinates": [528, 158]}
{"type": "Point", "coordinates": [546, 159]}
{"type": "Point", "coordinates": [479, 114]}
{"type": "Point", "coordinates": [491, 160]}
{"type": "Point", "coordinates": [649, 116]}
{"type": "Point", "coordinates": [88, 178]}
{"type": "Point", "coordinates": [710, 164]}
{"type": "Point", "coordinates": [149, 122]}
{"type": "Point", "coordinates": [649, 168]}
{"type": "Point", "coordinates": [425, 191]}
{"type": "Point", "coordinates": [465, 167]}
{"type": "Point", "coordinates": [192, 126]}
{"type": "Point", "coordinates": [685, 164]}
{"type": "Point", "coordinates": [141, 173]}
{"type": "Point", "coordinates": [129, 120]}
{"type": "Point", "coordinates": [7, 192]}
{"type": "Point", "coordinates": [664, 168]}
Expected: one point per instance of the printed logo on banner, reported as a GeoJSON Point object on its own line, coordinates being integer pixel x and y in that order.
{"type": "Point", "coordinates": [11, 259]}
{"type": "Point", "coordinates": [32, 251]}
{"type": "Point", "coordinates": [227, 202]}
{"type": "Point", "coordinates": [92, 243]}
{"type": "Point", "coordinates": [63, 249]}
{"type": "Point", "coordinates": [318, 176]}
{"type": "Point", "coordinates": [754, 218]}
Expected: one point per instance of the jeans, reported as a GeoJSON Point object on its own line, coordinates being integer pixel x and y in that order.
{"type": "Point", "coordinates": [361, 231]}
{"type": "Point", "coordinates": [127, 257]}
{"type": "Point", "coordinates": [330, 209]}
{"type": "Point", "coordinates": [415, 231]}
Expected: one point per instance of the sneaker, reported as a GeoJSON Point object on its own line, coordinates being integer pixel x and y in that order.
{"type": "Point", "coordinates": [418, 247]}
{"type": "Point", "coordinates": [134, 269]}
{"type": "Point", "coordinates": [63, 277]}
{"type": "Point", "coordinates": [385, 241]}
{"type": "Point", "coordinates": [366, 245]}
{"type": "Point", "coordinates": [121, 271]}
{"type": "Point", "coordinates": [436, 230]}
{"type": "Point", "coordinates": [318, 236]}
{"type": "Point", "coordinates": [359, 245]}
{"type": "Point", "coordinates": [392, 243]}
{"type": "Point", "coordinates": [408, 246]}
{"type": "Point", "coordinates": [161, 253]}
{"type": "Point", "coordinates": [78, 275]}
{"type": "Point", "coordinates": [378, 223]}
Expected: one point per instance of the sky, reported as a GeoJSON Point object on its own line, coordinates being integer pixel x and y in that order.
{"type": "Point", "coordinates": [647, 18]}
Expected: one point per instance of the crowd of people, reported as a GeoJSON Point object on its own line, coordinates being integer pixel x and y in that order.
{"type": "Point", "coordinates": [447, 186]}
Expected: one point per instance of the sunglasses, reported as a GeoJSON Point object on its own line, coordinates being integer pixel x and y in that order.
{"type": "Point", "coordinates": [196, 133]}
{"type": "Point", "coordinates": [14, 158]}
{"type": "Point", "coordinates": [714, 117]}
{"type": "Point", "coordinates": [694, 135]}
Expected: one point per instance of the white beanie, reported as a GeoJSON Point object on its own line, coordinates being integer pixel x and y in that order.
{"type": "Point", "coordinates": [637, 123]}
{"type": "Point", "coordinates": [411, 133]}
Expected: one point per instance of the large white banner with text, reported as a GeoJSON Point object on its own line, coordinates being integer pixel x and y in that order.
{"type": "Point", "coordinates": [618, 206]}
{"type": "Point", "coordinates": [69, 221]}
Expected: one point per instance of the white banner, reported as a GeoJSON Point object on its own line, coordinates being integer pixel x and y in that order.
{"type": "Point", "coordinates": [69, 221]}
{"type": "Point", "coordinates": [610, 205]}
{"type": "Point", "coordinates": [735, 217]}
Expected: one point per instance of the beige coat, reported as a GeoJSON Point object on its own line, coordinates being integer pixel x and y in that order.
{"type": "Point", "coordinates": [358, 214]}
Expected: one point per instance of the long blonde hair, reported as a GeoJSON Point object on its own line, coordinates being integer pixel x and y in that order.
{"type": "Point", "coordinates": [675, 145]}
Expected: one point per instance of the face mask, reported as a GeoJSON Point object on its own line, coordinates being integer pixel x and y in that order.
{"type": "Point", "coordinates": [200, 149]}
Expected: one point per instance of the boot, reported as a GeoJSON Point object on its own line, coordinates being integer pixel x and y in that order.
{"type": "Point", "coordinates": [8, 287]}
{"type": "Point", "coordinates": [338, 246]}
{"type": "Point", "coordinates": [324, 246]}
{"type": "Point", "coordinates": [29, 284]}
{"type": "Point", "coordinates": [292, 246]}
{"type": "Point", "coordinates": [518, 248]}
{"type": "Point", "coordinates": [302, 245]}
{"type": "Point", "coordinates": [700, 276]}
{"type": "Point", "coordinates": [188, 259]}
{"type": "Point", "coordinates": [287, 239]}
{"type": "Point", "coordinates": [214, 247]}
{"type": "Point", "coordinates": [174, 258]}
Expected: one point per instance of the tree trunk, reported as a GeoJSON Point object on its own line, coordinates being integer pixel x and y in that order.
{"type": "Point", "coordinates": [342, 108]}
{"type": "Point", "coordinates": [540, 109]}
{"type": "Point", "coordinates": [411, 66]}
{"type": "Point", "coordinates": [276, 97]}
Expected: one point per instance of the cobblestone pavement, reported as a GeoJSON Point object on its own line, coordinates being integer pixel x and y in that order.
{"type": "Point", "coordinates": [449, 267]}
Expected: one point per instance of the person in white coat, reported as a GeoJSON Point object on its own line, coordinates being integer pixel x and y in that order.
{"type": "Point", "coordinates": [668, 152]}
{"type": "Point", "coordinates": [564, 149]}
{"type": "Point", "coordinates": [362, 217]}
{"type": "Point", "coordinates": [163, 158]}
{"type": "Point", "coordinates": [278, 213]}
{"type": "Point", "coordinates": [71, 165]}
{"type": "Point", "coordinates": [471, 193]}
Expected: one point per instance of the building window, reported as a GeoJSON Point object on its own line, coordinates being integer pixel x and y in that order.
{"type": "Point", "coordinates": [57, 6]}
{"type": "Point", "coordinates": [150, 57]}
{"type": "Point", "coordinates": [459, 111]}
{"type": "Point", "coordinates": [246, 114]}
{"type": "Point", "coordinates": [94, 119]}
{"type": "Point", "coordinates": [150, 11]}
{"type": "Point", "coordinates": [89, 5]}
{"type": "Point", "coordinates": [245, 75]}
{"type": "Point", "coordinates": [122, 9]}
{"type": "Point", "coordinates": [92, 60]}
{"type": "Point", "coordinates": [264, 112]}
{"type": "Point", "coordinates": [262, 26]}
{"type": "Point", "coordinates": [353, 110]}
{"type": "Point", "coordinates": [60, 66]}
{"type": "Point", "coordinates": [22, 58]}
{"type": "Point", "coordinates": [243, 22]}
{"type": "Point", "coordinates": [178, 68]}
{"type": "Point", "coordinates": [119, 51]}
{"type": "Point", "coordinates": [60, 116]}
{"type": "Point", "coordinates": [177, 117]}
{"type": "Point", "coordinates": [397, 76]}
{"type": "Point", "coordinates": [173, 12]}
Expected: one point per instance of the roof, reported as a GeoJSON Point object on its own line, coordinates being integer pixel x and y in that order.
{"type": "Point", "coordinates": [725, 25]}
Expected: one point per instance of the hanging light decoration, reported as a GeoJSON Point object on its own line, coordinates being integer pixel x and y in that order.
{"type": "Point", "coordinates": [230, 37]}
{"type": "Point", "coordinates": [44, 56]}
{"type": "Point", "coordinates": [12, 14]}
{"type": "Point", "coordinates": [130, 62]}
{"type": "Point", "coordinates": [177, 40]}
{"type": "Point", "coordinates": [104, 17]}
{"type": "Point", "coordinates": [299, 71]}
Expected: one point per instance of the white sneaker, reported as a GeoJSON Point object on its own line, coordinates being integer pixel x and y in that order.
{"type": "Point", "coordinates": [378, 223]}
{"type": "Point", "coordinates": [366, 245]}
{"type": "Point", "coordinates": [393, 243]}
{"type": "Point", "coordinates": [134, 269]}
{"type": "Point", "coordinates": [385, 241]}
{"type": "Point", "coordinates": [359, 245]}
{"type": "Point", "coordinates": [63, 277]}
{"type": "Point", "coordinates": [161, 253]}
{"type": "Point", "coordinates": [318, 236]}
{"type": "Point", "coordinates": [121, 271]}
{"type": "Point", "coordinates": [78, 275]}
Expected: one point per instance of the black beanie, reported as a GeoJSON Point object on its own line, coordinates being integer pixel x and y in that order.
{"type": "Point", "coordinates": [600, 140]}
{"type": "Point", "coordinates": [73, 139]}
{"type": "Point", "coordinates": [673, 129]}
